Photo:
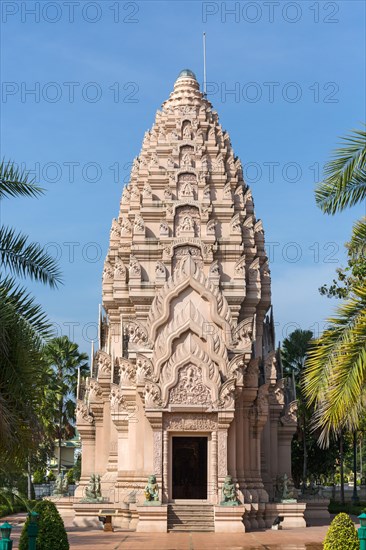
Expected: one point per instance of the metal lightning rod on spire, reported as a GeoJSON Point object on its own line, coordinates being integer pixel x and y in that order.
{"type": "Point", "coordinates": [204, 65]}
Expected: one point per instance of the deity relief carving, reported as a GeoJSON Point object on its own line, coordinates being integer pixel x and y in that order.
{"type": "Point", "coordinates": [235, 224]}
{"type": "Point", "coordinates": [115, 231]}
{"type": "Point", "coordinates": [120, 271]}
{"type": "Point", "coordinates": [160, 271]}
{"type": "Point", "coordinates": [190, 388]}
{"type": "Point", "coordinates": [139, 225]}
{"type": "Point", "coordinates": [163, 228]}
{"type": "Point", "coordinates": [83, 416]}
{"type": "Point", "coordinates": [126, 227]}
{"type": "Point", "coordinates": [168, 192]}
{"type": "Point", "coordinates": [107, 272]}
{"type": "Point", "coordinates": [187, 133]}
{"type": "Point", "coordinates": [290, 414]}
{"type": "Point", "coordinates": [147, 192]}
{"type": "Point", "coordinates": [136, 333]}
{"type": "Point", "coordinates": [134, 267]}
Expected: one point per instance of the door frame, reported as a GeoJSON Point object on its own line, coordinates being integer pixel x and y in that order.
{"type": "Point", "coordinates": [187, 433]}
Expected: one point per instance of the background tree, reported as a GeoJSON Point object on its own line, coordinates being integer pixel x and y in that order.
{"type": "Point", "coordinates": [293, 356]}
{"type": "Point", "coordinates": [335, 376]}
{"type": "Point", "coordinates": [23, 328]}
{"type": "Point", "coordinates": [64, 357]}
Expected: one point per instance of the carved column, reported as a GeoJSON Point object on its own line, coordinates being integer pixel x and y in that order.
{"type": "Point", "coordinates": [214, 489]}
{"type": "Point", "coordinates": [165, 466]}
{"type": "Point", "coordinates": [86, 427]}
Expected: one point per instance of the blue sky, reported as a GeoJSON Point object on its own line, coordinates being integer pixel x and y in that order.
{"type": "Point", "coordinates": [100, 70]}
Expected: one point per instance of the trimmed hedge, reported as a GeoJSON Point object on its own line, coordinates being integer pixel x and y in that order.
{"type": "Point", "coordinates": [341, 534]}
{"type": "Point", "coordinates": [51, 529]}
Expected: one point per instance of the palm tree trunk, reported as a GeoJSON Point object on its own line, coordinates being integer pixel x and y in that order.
{"type": "Point", "coordinates": [341, 458]}
{"type": "Point", "coordinates": [355, 499]}
{"type": "Point", "coordinates": [305, 456]}
{"type": "Point", "coordinates": [29, 476]}
{"type": "Point", "coordinates": [59, 438]}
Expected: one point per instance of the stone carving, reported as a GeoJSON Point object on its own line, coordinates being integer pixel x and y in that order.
{"type": "Point", "coordinates": [93, 491]}
{"type": "Point", "coordinates": [227, 191]}
{"type": "Point", "coordinates": [284, 489]}
{"type": "Point", "coordinates": [107, 272]}
{"type": "Point", "coordinates": [134, 268]}
{"type": "Point", "coordinates": [126, 227]}
{"type": "Point", "coordinates": [174, 136]}
{"type": "Point", "coordinates": [151, 490]}
{"type": "Point", "coordinates": [168, 192]}
{"type": "Point", "coordinates": [164, 228]}
{"type": "Point", "coordinates": [229, 493]}
{"type": "Point", "coordinates": [290, 415]}
{"type": "Point", "coordinates": [83, 416]}
{"type": "Point", "coordinates": [152, 396]}
{"type": "Point", "coordinates": [147, 192]}
{"type": "Point", "coordinates": [126, 195]}
{"type": "Point", "coordinates": [210, 228]}
{"type": "Point", "coordinates": [95, 391]}
{"type": "Point", "coordinates": [154, 161]}
{"type": "Point", "coordinates": [139, 225]}
{"type": "Point", "coordinates": [254, 275]}
{"type": "Point", "coordinates": [136, 333]}
{"type": "Point", "coordinates": [186, 190]}
{"type": "Point", "coordinates": [187, 132]}
{"type": "Point", "coordinates": [170, 163]}
{"type": "Point", "coordinates": [186, 160]}
{"type": "Point", "coordinates": [115, 231]}
{"type": "Point", "coordinates": [190, 422]}
{"type": "Point", "coordinates": [244, 333]}
{"type": "Point", "coordinates": [215, 269]}
{"type": "Point", "coordinates": [135, 193]}
{"type": "Point", "coordinates": [116, 398]}
{"type": "Point", "coordinates": [235, 224]}
{"type": "Point", "coordinates": [206, 193]}
{"type": "Point", "coordinates": [160, 270]}
{"type": "Point", "coordinates": [127, 373]}
{"type": "Point", "coordinates": [120, 271]}
{"type": "Point", "coordinates": [143, 369]}
{"type": "Point", "coordinates": [61, 487]}
{"type": "Point", "coordinates": [190, 388]}
{"type": "Point", "coordinates": [239, 269]}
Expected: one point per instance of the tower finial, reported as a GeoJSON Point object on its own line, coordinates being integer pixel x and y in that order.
{"type": "Point", "coordinates": [204, 65]}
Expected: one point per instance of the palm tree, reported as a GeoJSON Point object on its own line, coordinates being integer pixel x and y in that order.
{"type": "Point", "coordinates": [335, 376]}
{"type": "Point", "coordinates": [293, 356]}
{"type": "Point", "coordinates": [65, 359]}
{"type": "Point", "coordinates": [23, 326]}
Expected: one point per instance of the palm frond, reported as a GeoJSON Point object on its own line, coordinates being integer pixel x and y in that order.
{"type": "Point", "coordinates": [15, 182]}
{"type": "Point", "coordinates": [345, 176]}
{"type": "Point", "coordinates": [27, 259]}
{"type": "Point", "coordinates": [335, 375]}
{"type": "Point", "coordinates": [357, 244]}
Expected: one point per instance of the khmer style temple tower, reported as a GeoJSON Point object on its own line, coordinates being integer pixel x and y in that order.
{"type": "Point", "coordinates": [186, 385]}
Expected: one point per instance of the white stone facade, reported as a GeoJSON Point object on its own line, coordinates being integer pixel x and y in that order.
{"type": "Point", "coordinates": [187, 349]}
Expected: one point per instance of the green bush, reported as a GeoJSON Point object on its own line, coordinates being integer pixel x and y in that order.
{"type": "Point", "coordinates": [70, 476]}
{"type": "Point", "coordinates": [51, 530]}
{"type": "Point", "coordinates": [341, 534]}
{"type": "Point", "coordinates": [39, 476]}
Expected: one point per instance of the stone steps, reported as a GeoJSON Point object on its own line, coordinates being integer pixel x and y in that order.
{"type": "Point", "coordinates": [191, 517]}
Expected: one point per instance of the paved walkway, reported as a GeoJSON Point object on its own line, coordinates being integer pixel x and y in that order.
{"type": "Point", "coordinates": [309, 538]}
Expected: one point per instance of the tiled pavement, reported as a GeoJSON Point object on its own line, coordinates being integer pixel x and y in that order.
{"type": "Point", "coordinates": [85, 539]}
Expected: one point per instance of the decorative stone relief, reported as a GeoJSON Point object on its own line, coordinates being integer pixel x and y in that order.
{"type": "Point", "coordinates": [210, 227]}
{"type": "Point", "coordinates": [152, 396]}
{"type": "Point", "coordinates": [147, 192]}
{"type": "Point", "coordinates": [190, 422]}
{"type": "Point", "coordinates": [160, 271]}
{"type": "Point", "coordinates": [95, 390]}
{"type": "Point", "coordinates": [136, 333]}
{"type": "Point", "coordinates": [164, 228]}
{"type": "Point", "coordinates": [235, 224]}
{"type": "Point", "coordinates": [127, 373]}
{"type": "Point", "coordinates": [107, 272]}
{"type": "Point", "coordinates": [115, 231]}
{"type": "Point", "coordinates": [116, 398]}
{"type": "Point", "coordinates": [239, 269]}
{"type": "Point", "coordinates": [120, 271]}
{"type": "Point", "coordinates": [144, 369]}
{"type": "Point", "coordinates": [139, 225]}
{"type": "Point", "coordinates": [289, 417]}
{"type": "Point", "coordinates": [134, 268]}
{"type": "Point", "coordinates": [222, 453]}
{"type": "Point", "coordinates": [126, 227]}
{"type": "Point", "coordinates": [190, 389]}
{"type": "Point", "coordinates": [83, 416]}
